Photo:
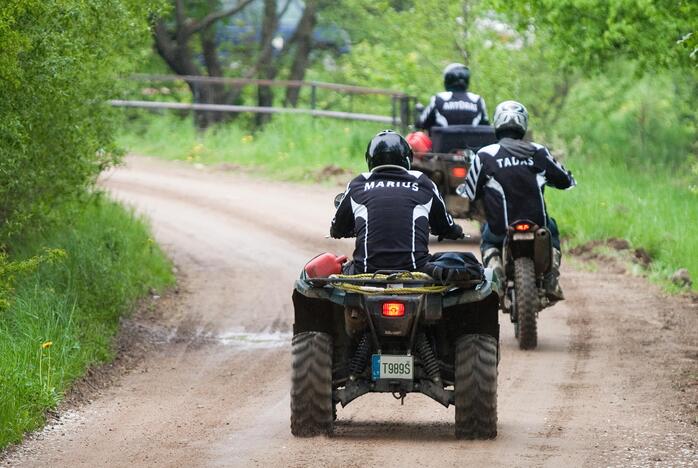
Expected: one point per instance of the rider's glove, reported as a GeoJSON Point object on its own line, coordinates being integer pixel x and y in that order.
{"type": "Point", "coordinates": [456, 233]}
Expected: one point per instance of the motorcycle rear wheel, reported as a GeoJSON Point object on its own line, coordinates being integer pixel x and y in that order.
{"type": "Point", "coordinates": [526, 304]}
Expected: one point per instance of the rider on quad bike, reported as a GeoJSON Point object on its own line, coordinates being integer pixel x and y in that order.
{"type": "Point", "coordinates": [510, 176]}
{"type": "Point", "coordinates": [395, 320]}
{"type": "Point", "coordinates": [390, 210]}
{"type": "Point", "coordinates": [455, 106]}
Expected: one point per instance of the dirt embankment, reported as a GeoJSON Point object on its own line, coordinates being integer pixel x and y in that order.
{"type": "Point", "coordinates": [613, 382]}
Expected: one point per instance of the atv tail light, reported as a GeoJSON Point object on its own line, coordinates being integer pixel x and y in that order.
{"type": "Point", "coordinates": [459, 172]}
{"type": "Point", "coordinates": [393, 309]}
{"type": "Point", "coordinates": [522, 227]}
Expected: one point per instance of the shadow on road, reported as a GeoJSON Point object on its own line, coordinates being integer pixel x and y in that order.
{"type": "Point", "coordinates": [392, 430]}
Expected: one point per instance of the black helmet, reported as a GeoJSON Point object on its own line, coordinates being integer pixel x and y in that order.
{"type": "Point", "coordinates": [456, 77]}
{"type": "Point", "coordinates": [388, 147]}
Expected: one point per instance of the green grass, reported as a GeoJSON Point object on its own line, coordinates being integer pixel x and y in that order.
{"type": "Point", "coordinates": [290, 147]}
{"type": "Point", "coordinates": [75, 303]}
{"type": "Point", "coordinates": [650, 208]}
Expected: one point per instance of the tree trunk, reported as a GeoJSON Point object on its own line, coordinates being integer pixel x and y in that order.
{"type": "Point", "coordinates": [266, 69]}
{"type": "Point", "coordinates": [174, 47]}
{"type": "Point", "coordinates": [303, 38]}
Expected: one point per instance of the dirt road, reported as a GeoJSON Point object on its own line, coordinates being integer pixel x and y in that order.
{"type": "Point", "coordinates": [601, 389]}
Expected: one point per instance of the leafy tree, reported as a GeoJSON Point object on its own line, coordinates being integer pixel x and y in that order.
{"type": "Point", "coordinates": [192, 41]}
{"type": "Point", "coordinates": [589, 33]}
{"type": "Point", "coordinates": [58, 65]}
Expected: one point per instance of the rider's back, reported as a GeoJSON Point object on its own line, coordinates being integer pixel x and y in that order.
{"type": "Point", "coordinates": [511, 175]}
{"type": "Point", "coordinates": [389, 210]}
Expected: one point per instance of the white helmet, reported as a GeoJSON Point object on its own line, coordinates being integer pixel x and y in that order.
{"type": "Point", "coordinates": [511, 115]}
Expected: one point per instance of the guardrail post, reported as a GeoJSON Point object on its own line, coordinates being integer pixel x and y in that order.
{"type": "Point", "coordinates": [405, 114]}
{"type": "Point", "coordinates": [313, 96]}
{"type": "Point", "coordinates": [393, 110]}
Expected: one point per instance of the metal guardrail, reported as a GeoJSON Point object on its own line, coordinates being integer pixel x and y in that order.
{"type": "Point", "coordinates": [256, 109]}
{"type": "Point", "coordinates": [285, 83]}
{"type": "Point", "coordinates": [401, 103]}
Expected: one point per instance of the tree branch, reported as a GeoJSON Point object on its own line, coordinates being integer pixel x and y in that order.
{"type": "Point", "coordinates": [208, 20]}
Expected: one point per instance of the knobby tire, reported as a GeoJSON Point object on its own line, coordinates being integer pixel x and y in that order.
{"type": "Point", "coordinates": [526, 302]}
{"type": "Point", "coordinates": [311, 386]}
{"type": "Point", "coordinates": [476, 387]}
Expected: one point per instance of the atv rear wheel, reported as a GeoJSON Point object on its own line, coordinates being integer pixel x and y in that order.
{"type": "Point", "coordinates": [476, 387]}
{"type": "Point", "coordinates": [311, 386]}
{"type": "Point", "coordinates": [526, 304]}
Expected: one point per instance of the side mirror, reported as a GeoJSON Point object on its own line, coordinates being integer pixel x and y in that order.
{"type": "Point", "coordinates": [338, 199]}
{"type": "Point", "coordinates": [460, 190]}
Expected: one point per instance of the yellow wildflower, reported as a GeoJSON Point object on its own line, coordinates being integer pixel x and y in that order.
{"type": "Point", "coordinates": [47, 344]}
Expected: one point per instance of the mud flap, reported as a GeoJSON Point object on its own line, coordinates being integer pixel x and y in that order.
{"type": "Point", "coordinates": [313, 314]}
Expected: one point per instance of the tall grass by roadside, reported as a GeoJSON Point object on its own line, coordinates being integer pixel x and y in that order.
{"type": "Point", "coordinates": [63, 316]}
{"type": "Point", "coordinates": [290, 147]}
{"type": "Point", "coordinates": [653, 209]}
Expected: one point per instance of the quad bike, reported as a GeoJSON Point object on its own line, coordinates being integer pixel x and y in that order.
{"type": "Point", "coordinates": [446, 158]}
{"type": "Point", "coordinates": [527, 257]}
{"type": "Point", "coordinates": [395, 332]}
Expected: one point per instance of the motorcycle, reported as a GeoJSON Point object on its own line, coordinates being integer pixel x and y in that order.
{"type": "Point", "coordinates": [526, 257]}
{"type": "Point", "coordinates": [395, 332]}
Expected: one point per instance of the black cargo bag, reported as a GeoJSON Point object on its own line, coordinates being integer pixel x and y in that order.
{"type": "Point", "coordinates": [458, 268]}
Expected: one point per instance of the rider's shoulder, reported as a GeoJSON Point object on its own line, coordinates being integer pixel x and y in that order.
{"type": "Point", "coordinates": [361, 178]}
{"type": "Point", "coordinates": [489, 150]}
{"type": "Point", "coordinates": [417, 174]}
{"type": "Point", "coordinates": [540, 149]}
{"type": "Point", "coordinates": [474, 97]}
{"type": "Point", "coordinates": [444, 95]}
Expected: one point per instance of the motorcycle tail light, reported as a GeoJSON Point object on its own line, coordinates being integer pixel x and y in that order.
{"type": "Point", "coordinates": [393, 309]}
{"type": "Point", "coordinates": [459, 172]}
{"type": "Point", "coordinates": [522, 227]}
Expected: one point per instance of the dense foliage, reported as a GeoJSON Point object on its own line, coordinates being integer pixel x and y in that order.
{"type": "Point", "coordinates": [70, 263]}
{"type": "Point", "coordinates": [65, 309]}
{"type": "Point", "coordinates": [58, 64]}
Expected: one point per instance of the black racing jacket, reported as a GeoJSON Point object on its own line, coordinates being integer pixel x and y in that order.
{"type": "Point", "coordinates": [453, 108]}
{"type": "Point", "coordinates": [389, 210]}
{"type": "Point", "coordinates": [511, 176]}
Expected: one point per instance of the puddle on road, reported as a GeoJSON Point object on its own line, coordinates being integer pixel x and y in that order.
{"type": "Point", "coordinates": [254, 340]}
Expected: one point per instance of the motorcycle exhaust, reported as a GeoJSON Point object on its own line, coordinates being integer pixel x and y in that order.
{"type": "Point", "coordinates": [542, 251]}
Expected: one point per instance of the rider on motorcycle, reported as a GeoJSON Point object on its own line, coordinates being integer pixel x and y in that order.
{"type": "Point", "coordinates": [510, 176]}
{"type": "Point", "coordinates": [455, 106]}
{"type": "Point", "coordinates": [390, 210]}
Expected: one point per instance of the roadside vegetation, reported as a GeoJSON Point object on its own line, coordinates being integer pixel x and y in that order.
{"type": "Point", "coordinates": [71, 262]}
{"type": "Point", "coordinates": [613, 95]}
{"type": "Point", "coordinates": [65, 308]}
{"type": "Point", "coordinates": [290, 148]}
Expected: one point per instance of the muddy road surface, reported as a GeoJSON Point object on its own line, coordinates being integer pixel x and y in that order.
{"type": "Point", "coordinates": [604, 387]}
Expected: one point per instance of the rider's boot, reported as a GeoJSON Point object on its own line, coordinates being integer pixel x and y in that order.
{"type": "Point", "coordinates": [552, 286]}
{"type": "Point", "coordinates": [492, 258]}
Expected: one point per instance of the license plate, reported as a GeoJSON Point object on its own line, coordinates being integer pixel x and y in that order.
{"type": "Point", "coordinates": [391, 367]}
{"type": "Point", "coordinates": [524, 236]}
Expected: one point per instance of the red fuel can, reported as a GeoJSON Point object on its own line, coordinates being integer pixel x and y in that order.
{"type": "Point", "coordinates": [324, 265]}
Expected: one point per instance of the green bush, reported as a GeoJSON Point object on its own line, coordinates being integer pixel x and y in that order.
{"type": "Point", "coordinates": [63, 314]}
{"type": "Point", "coordinates": [58, 64]}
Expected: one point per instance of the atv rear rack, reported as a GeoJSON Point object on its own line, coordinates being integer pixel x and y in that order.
{"type": "Point", "coordinates": [330, 288]}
